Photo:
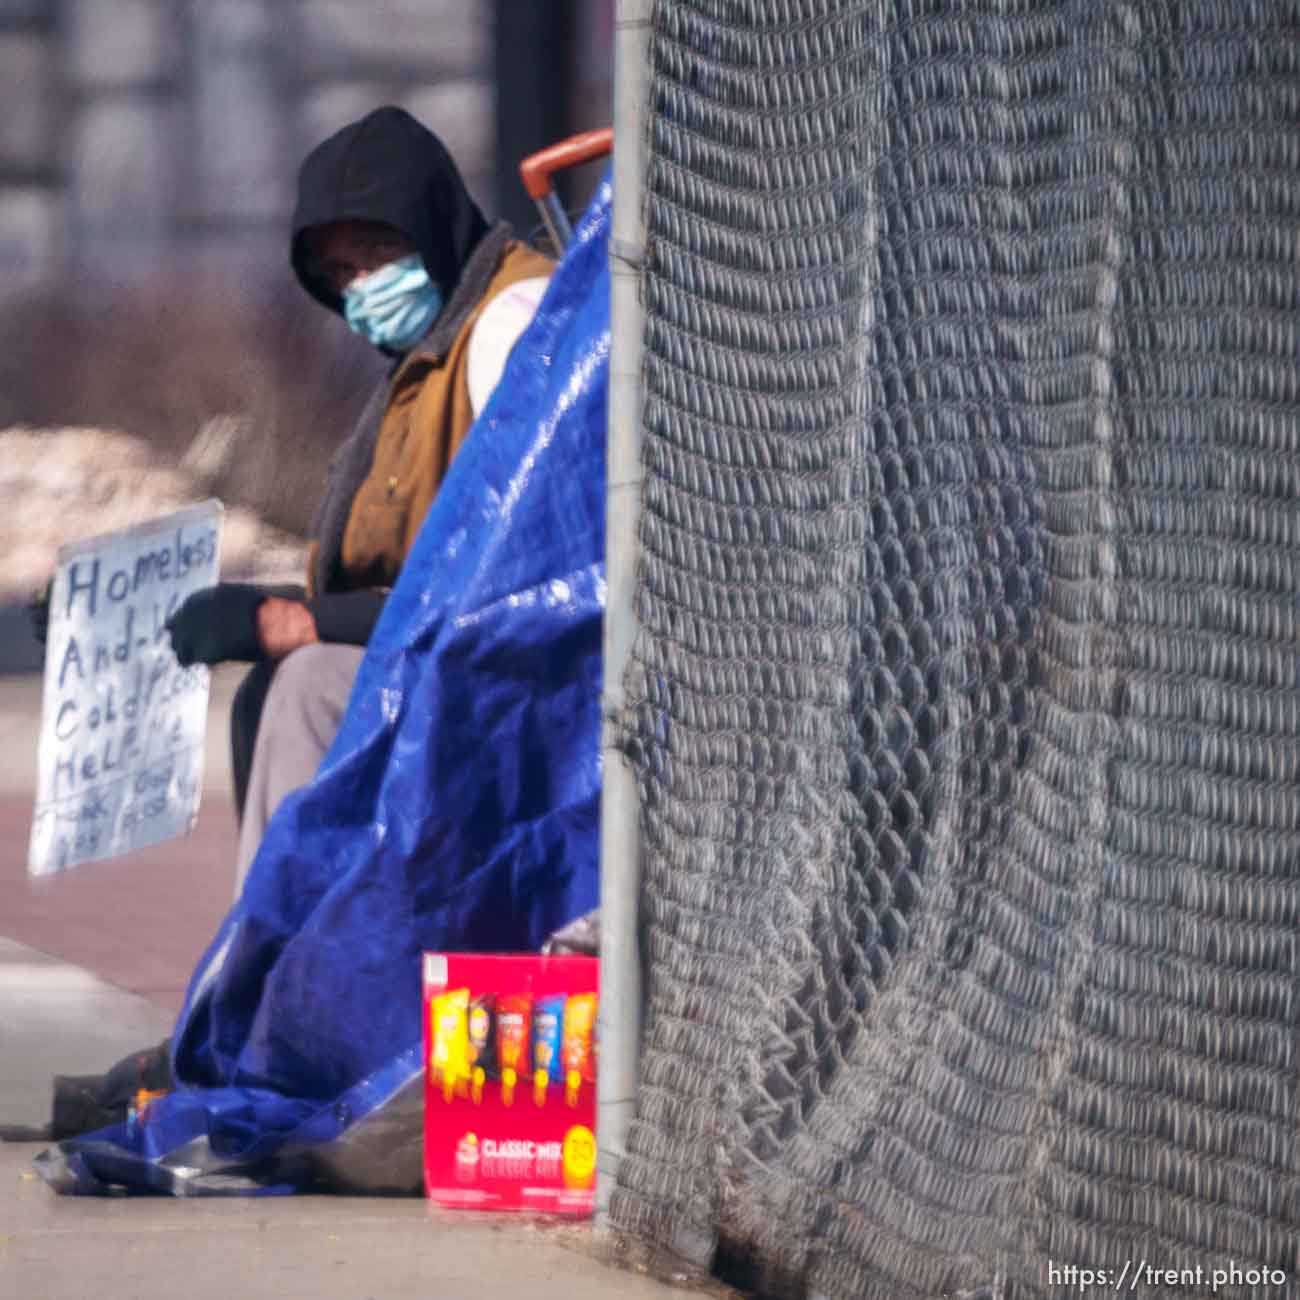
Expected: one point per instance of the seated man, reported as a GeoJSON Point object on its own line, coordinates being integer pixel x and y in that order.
{"type": "Point", "coordinates": [385, 234]}
{"type": "Point", "coordinates": [461, 813]}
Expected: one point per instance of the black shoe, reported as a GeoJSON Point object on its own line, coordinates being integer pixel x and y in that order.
{"type": "Point", "coordinates": [83, 1103]}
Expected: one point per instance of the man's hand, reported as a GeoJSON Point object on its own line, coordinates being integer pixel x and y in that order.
{"type": "Point", "coordinates": [283, 626]}
{"type": "Point", "coordinates": [217, 624]}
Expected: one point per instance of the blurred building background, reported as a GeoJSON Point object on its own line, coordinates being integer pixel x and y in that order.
{"type": "Point", "coordinates": [148, 154]}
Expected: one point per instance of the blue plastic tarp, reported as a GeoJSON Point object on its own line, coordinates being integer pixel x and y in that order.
{"type": "Point", "coordinates": [456, 811]}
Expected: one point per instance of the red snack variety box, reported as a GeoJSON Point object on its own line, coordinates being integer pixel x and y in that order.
{"type": "Point", "coordinates": [510, 1082]}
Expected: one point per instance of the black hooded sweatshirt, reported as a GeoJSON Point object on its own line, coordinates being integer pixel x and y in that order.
{"type": "Point", "coordinates": [387, 168]}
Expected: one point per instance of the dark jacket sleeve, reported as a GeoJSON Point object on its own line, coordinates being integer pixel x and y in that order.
{"type": "Point", "coordinates": [347, 617]}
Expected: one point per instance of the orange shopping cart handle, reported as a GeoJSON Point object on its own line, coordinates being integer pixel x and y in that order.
{"type": "Point", "coordinates": [537, 169]}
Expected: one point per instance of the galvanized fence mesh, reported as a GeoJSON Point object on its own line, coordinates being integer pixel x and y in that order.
{"type": "Point", "coordinates": [965, 711]}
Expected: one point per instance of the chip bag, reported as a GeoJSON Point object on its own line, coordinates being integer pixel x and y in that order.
{"type": "Point", "coordinates": [577, 1044]}
{"type": "Point", "coordinates": [449, 1059]}
{"type": "Point", "coordinates": [513, 1032]}
{"type": "Point", "coordinates": [482, 1043]}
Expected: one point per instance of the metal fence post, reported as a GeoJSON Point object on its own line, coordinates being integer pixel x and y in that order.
{"type": "Point", "coordinates": [620, 959]}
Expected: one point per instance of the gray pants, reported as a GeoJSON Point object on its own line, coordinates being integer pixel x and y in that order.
{"type": "Point", "coordinates": [303, 709]}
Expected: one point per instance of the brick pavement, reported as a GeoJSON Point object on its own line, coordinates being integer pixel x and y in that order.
{"type": "Point", "coordinates": [138, 922]}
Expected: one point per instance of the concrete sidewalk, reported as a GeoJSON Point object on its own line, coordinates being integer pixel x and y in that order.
{"type": "Point", "coordinates": [76, 954]}
{"type": "Point", "coordinates": [55, 1019]}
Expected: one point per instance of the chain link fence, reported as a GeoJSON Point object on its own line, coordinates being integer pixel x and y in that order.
{"type": "Point", "coordinates": [965, 709]}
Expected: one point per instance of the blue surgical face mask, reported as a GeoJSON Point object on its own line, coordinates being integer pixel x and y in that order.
{"type": "Point", "coordinates": [393, 306]}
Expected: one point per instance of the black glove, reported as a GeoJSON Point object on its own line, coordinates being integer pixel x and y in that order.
{"type": "Point", "coordinates": [217, 624]}
{"type": "Point", "coordinates": [38, 610]}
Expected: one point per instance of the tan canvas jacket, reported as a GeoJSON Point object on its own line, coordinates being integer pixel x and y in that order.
{"type": "Point", "coordinates": [425, 421]}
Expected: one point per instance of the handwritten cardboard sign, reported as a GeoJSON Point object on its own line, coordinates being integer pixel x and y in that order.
{"type": "Point", "coordinates": [122, 723]}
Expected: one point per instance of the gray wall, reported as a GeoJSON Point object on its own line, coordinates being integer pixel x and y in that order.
{"type": "Point", "coordinates": [131, 129]}
{"type": "Point", "coordinates": [148, 157]}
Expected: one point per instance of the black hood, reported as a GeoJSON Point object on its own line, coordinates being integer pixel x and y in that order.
{"type": "Point", "coordinates": [389, 168]}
